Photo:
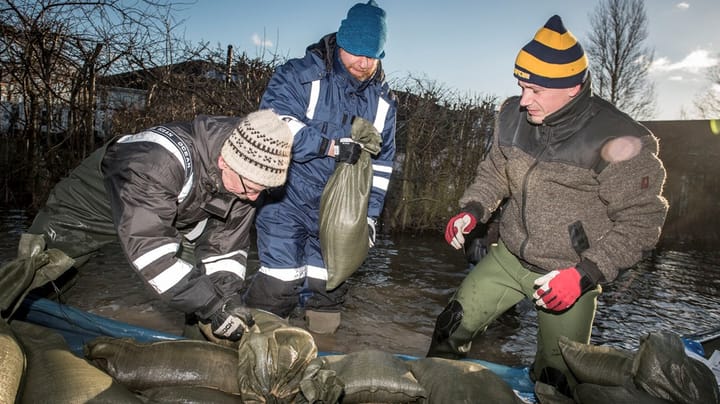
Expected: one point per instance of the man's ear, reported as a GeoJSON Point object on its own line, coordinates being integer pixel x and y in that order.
{"type": "Point", "coordinates": [573, 91]}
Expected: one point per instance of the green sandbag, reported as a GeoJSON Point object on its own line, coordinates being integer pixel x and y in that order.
{"type": "Point", "coordinates": [663, 369]}
{"type": "Point", "coordinates": [272, 361]}
{"type": "Point", "coordinates": [141, 366]}
{"type": "Point", "coordinates": [586, 393]}
{"type": "Point", "coordinates": [321, 386]}
{"type": "Point", "coordinates": [371, 376]}
{"type": "Point", "coordinates": [452, 381]}
{"type": "Point", "coordinates": [547, 394]}
{"type": "Point", "coordinates": [603, 365]}
{"type": "Point", "coordinates": [12, 364]}
{"type": "Point", "coordinates": [189, 395]}
{"type": "Point", "coordinates": [55, 375]}
{"type": "Point", "coordinates": [344, 206]}
{"type": "Point", "coordinates": [33, 268]}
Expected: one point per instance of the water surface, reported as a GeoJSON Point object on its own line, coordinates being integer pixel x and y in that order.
{"type": "Point", "coordinates": [405, 283]}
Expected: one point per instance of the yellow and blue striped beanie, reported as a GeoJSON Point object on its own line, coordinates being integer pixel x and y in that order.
{"type": "Point", "coordinates": [553, 59]}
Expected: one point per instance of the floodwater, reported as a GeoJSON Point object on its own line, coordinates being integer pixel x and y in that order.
{"type": "Point", "coordinates": [404, 284]}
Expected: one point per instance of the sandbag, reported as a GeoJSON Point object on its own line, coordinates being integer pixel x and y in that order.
{"type": "Point", "coordinates": [12, 364]}
{"type": "Point", "coordinates": [453, 381]}
{"type": "Point", "coordinates": [603, 365]}
{"type": "Point", "coordinates": [272, 361]}
{"type": "Point", "coordinates": [663, 369]}
{"type": "Point", "coordinates": [55, 375]}
{"type": "Point", "coordinates": [27, 272]}
{"type": "Point", "coordinates": [547, 394]}
{"type": "Point", "coordinates": [141, 366]}
{"type": "Point", "coordinates": [189, 395]}
{"type": "Point", "coordinates": [343, 210]}
{"type": "Point", "coordinates": [587, 393]}
{"type": "Point", "coordinates": [320, 386]}
{"type": "Point", "coordinates": [371, 376]}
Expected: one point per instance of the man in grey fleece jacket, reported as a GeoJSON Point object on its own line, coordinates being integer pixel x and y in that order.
{"type": "Point", "coordinates": [584, 200]}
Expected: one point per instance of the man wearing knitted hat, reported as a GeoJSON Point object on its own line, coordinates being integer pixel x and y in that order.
{"type": "Point", "coordinates": [338, 88]}
{"type": "Point", "coordinates": [583, 184]}
{"type": "Point", "coordinates": [179, 199]}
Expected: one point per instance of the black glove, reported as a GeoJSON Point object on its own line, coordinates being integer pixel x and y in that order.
{"type": "Point", "coordinates": [232, 320]}
{"type": "Point", "coordinates": [347, 150]}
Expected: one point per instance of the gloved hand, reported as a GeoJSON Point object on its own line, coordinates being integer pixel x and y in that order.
{"type": "Point", "coordinates": [232, 320]}
{"type": "Point", "coordinates": [558, 289]}
{"type": "Point", "coordinates": [457, 227]}
{"type": "Point", "coordinates": [347, 150]}
{"type": "Point", "coordinates": [371, 232]}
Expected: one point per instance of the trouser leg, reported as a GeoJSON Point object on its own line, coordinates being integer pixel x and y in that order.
{"type": "Point", "coordinates": [323, 307]}
{"type": "Point", "coordinates": [78, 238]}
{"type": "Point", "coordinates": [494, 285]}
{"type": "Point", "coordinates": [575, 324]}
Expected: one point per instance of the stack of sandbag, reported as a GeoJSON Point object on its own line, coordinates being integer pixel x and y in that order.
{"type": "Point", "coordinates": [55, 375]}
{"type": "Point", "coordinates": [274, 363]}
{"type": "Point", "coordinates": [659, 372]}
{"type": "Point", "coordinates": [373, 376]}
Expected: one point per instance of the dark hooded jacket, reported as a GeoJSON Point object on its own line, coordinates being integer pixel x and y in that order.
{"type": "Point", "coordinates": [154, 190]}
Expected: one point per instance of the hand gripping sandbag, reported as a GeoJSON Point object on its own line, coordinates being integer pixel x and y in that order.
{"type": "Point", "coordinates": [343, 208]}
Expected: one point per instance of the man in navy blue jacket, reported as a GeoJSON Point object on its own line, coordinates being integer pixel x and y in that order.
{"type": "Point", "coordinates": [340, 79]}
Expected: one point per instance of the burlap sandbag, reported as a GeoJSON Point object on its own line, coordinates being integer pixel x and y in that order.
{"type": "Point", "coordinates": [189, 395]}
{"type": "Point", "coordinates": [56, 375]}
{"type": "Point", "coordinates": [603, 365]}
{"type": "Point", "coordinates": [33, 268]}
{"type": "Point", "coordinates": [370, 376]}
{"type": "Point", "coordinates": [344, 207]}
{"type": "Point", "coordinates": [272, 359]}
{"type": "Point", "coordinates": [12, 364]}
{"type": "Point", "coordinates": [452, 381]}
{"type": "Point", "coordinates": [663, 369]}
{"type": "Point", "coordinates": [320, 385]}
{"type": "Point", "coordinates": [141, 366]}
{"type": "Point", "coordinates": [595, 394]}
{"type": "Point", "coordinates": [547, 394]}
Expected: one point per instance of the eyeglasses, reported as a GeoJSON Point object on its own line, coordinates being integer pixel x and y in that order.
{"type": "Point", "coordinates": [245, 190]}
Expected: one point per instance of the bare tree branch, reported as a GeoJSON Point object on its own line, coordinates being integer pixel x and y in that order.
{"type": "Point", "coordinates": [619, 61]}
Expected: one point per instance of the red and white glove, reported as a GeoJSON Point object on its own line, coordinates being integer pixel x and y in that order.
{"type": "Point", "coordinates": [457, 227]}
{"type": "Point", "coordinates": [558, 290]}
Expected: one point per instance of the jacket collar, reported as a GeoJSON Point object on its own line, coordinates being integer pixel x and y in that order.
{"type": "Point", "coordinates": [327, 50]}
{"type": "Point", "coordinates": [577, 109]}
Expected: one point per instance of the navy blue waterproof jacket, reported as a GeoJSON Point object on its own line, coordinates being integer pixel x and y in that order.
{"type": "Point", "coordinates": [319, 98]}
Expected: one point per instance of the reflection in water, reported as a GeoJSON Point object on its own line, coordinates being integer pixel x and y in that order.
{"type": "Point", "coordinates": [407, 280]}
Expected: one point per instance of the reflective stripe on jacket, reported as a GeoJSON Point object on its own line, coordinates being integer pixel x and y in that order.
{"type": "Point", "coordinates": [164, 184]}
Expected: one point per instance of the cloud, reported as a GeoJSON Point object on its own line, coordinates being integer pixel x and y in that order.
{"type": "Point", "coordinates": [694, 62]}
{"type": "Point", "coordinates": [258, 41]}
{"type": "Point", "coordinates": [683, 5]}
{"type": "Point", "coordinates": [675, 78]}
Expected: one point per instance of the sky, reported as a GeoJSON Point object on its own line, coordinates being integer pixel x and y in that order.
{"type": "Point", "coordinates": [469, 46]}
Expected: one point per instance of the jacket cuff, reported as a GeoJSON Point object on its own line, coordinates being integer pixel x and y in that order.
{"type": "Point", "coordinates": [324, 148]}
{"type": "Point", "coordinates": [590, 273]}
{"type": "Point", "coordinates": [210, 308]}
{"type": "Point", "coordinates": [475, 209]}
